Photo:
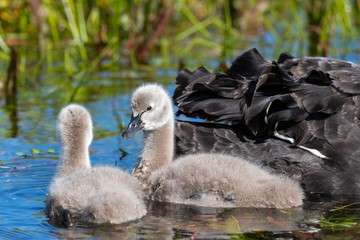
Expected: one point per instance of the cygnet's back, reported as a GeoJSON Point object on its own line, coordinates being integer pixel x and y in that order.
{"type": "Point", "coordinates": [78, 192]}
{"type": "Point", "coordinates": [99, 194]}
{"type": "Point", "coordinates": [219, 180]}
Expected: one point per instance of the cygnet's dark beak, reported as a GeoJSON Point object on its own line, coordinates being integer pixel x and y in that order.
{"type": "Point", "coordinates": [134, 126]}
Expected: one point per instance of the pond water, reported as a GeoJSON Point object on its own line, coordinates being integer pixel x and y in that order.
{"type": "Point", "coordinates": [29, 155]}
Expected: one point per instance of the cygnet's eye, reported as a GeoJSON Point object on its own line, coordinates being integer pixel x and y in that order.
{"type": "Point", "coordinates": [148, 108]}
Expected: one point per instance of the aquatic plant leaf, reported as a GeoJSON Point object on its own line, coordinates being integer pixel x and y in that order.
{"type": "Point", "coordinates": [35, 151]}
{"type": "Point", "coordinates": [51, 150]}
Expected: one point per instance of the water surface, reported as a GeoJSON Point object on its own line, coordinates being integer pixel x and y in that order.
{"type": "Point", "coordinates": [29, 155]}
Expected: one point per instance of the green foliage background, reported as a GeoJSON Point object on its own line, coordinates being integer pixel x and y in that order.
{"type": "Point", "coordinates": [218, 27]}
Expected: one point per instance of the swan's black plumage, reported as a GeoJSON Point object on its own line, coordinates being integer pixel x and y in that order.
{"type": "Point", "coordinates": [312, 100]}
{"type": "Point", "coordinates": [273, 154]}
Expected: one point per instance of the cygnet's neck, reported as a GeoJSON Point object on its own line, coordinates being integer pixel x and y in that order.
{"type": "Point", "coordinates": [158, 150]}
{"type": "Point", "coordinates": [74, 157]}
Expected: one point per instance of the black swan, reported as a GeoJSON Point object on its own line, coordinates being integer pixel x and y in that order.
{"type": "Point", "coordinates": [311, 102]}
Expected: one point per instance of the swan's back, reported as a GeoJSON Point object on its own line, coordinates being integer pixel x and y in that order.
{"type": "Point", "coordinates": [344, 75]}
{"type": "Point", "coordinates": [316, 109]}
{"type": "Point", "coordinates": [219, 180]}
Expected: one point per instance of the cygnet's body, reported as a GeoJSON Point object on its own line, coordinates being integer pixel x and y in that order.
{"type": "Point", "coordinates": [211, 180]}
{"type": "Point", "coordinates": [99, 194]}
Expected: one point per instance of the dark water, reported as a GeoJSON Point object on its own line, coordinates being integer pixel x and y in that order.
{"type": "Point", "coordinates": [29, 155]}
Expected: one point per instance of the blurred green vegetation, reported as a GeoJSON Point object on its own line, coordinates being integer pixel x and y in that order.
{"type": "Point", "coordinates": [135, 29]}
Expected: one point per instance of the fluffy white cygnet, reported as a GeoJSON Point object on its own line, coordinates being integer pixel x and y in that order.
{"type": "Point", "coordinates": [211, 180]}
{"type": "Point", "coordinates": [79, 192]}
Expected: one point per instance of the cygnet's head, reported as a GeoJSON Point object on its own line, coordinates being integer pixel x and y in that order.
{"type": "Point", "coordinates": [74, 126]}
{"type": "Point", "coordinates": [151, 109]}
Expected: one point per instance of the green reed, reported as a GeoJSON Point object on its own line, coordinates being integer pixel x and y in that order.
{"type": "Point", "coordinates": [215, 27]}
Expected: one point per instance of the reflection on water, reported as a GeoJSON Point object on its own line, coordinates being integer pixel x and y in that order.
{"type": "Point", "coordinates": [168, 221]}
{"type": "Point", "coordinates": [174, 221]}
